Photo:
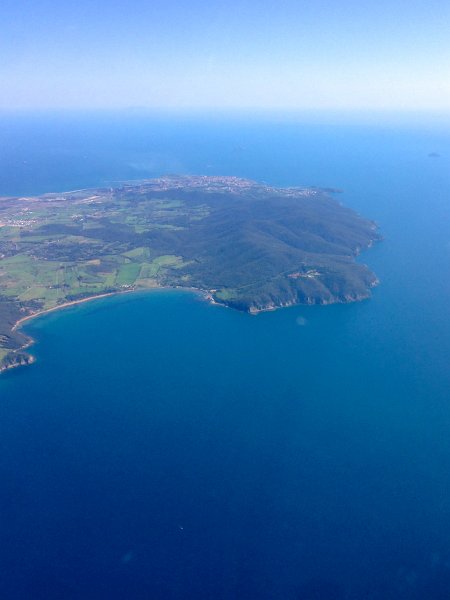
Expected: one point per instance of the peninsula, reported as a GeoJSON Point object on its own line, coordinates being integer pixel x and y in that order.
{"type": "Point", "coordinates": [247, 245]}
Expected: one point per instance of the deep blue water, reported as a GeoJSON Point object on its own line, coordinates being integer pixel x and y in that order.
{"type": "Point", "coordinates": [165, 448]}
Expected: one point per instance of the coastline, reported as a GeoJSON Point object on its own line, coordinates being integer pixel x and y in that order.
{"type": "Point", "coordinates": [40, 313]}
{"type": "Point", "coordinates": [25, 359]}
{"type": "Point", "coordinates": [30, 359]}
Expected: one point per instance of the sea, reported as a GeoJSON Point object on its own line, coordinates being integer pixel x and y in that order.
{"type": "Point", "coordinates": [165, 448]}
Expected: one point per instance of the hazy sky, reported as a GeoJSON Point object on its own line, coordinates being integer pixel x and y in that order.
{"type": "Point", "coordinates": [250, 53]}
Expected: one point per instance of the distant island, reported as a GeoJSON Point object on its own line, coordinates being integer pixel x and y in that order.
{"type": "Point", "coordinates": [246, 245]}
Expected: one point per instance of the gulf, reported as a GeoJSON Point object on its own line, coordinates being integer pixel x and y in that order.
{"type": "Point", "coordinates": [161, 447]}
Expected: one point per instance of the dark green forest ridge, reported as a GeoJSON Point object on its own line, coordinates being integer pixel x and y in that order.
{"type": "Point", "coordinates": [248, 245]}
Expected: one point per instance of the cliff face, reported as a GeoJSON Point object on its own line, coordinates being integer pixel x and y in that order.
{"type": "Point", "coordinates": [16, 359]}
{"type": "Point", "coordinates": [295, 300]}
{"type": "Point", "coordinates": [255, 308]}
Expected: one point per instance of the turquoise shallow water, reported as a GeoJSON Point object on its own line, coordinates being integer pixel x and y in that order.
{"type": "Point", "coordinates": [162, 447]}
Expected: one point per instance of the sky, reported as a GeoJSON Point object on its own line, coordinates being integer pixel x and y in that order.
{"type": "Point", "coordinates": [249, 54]}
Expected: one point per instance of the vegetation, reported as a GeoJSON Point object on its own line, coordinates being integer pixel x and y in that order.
{"type": "Point", "coordinates": [250, 246]}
